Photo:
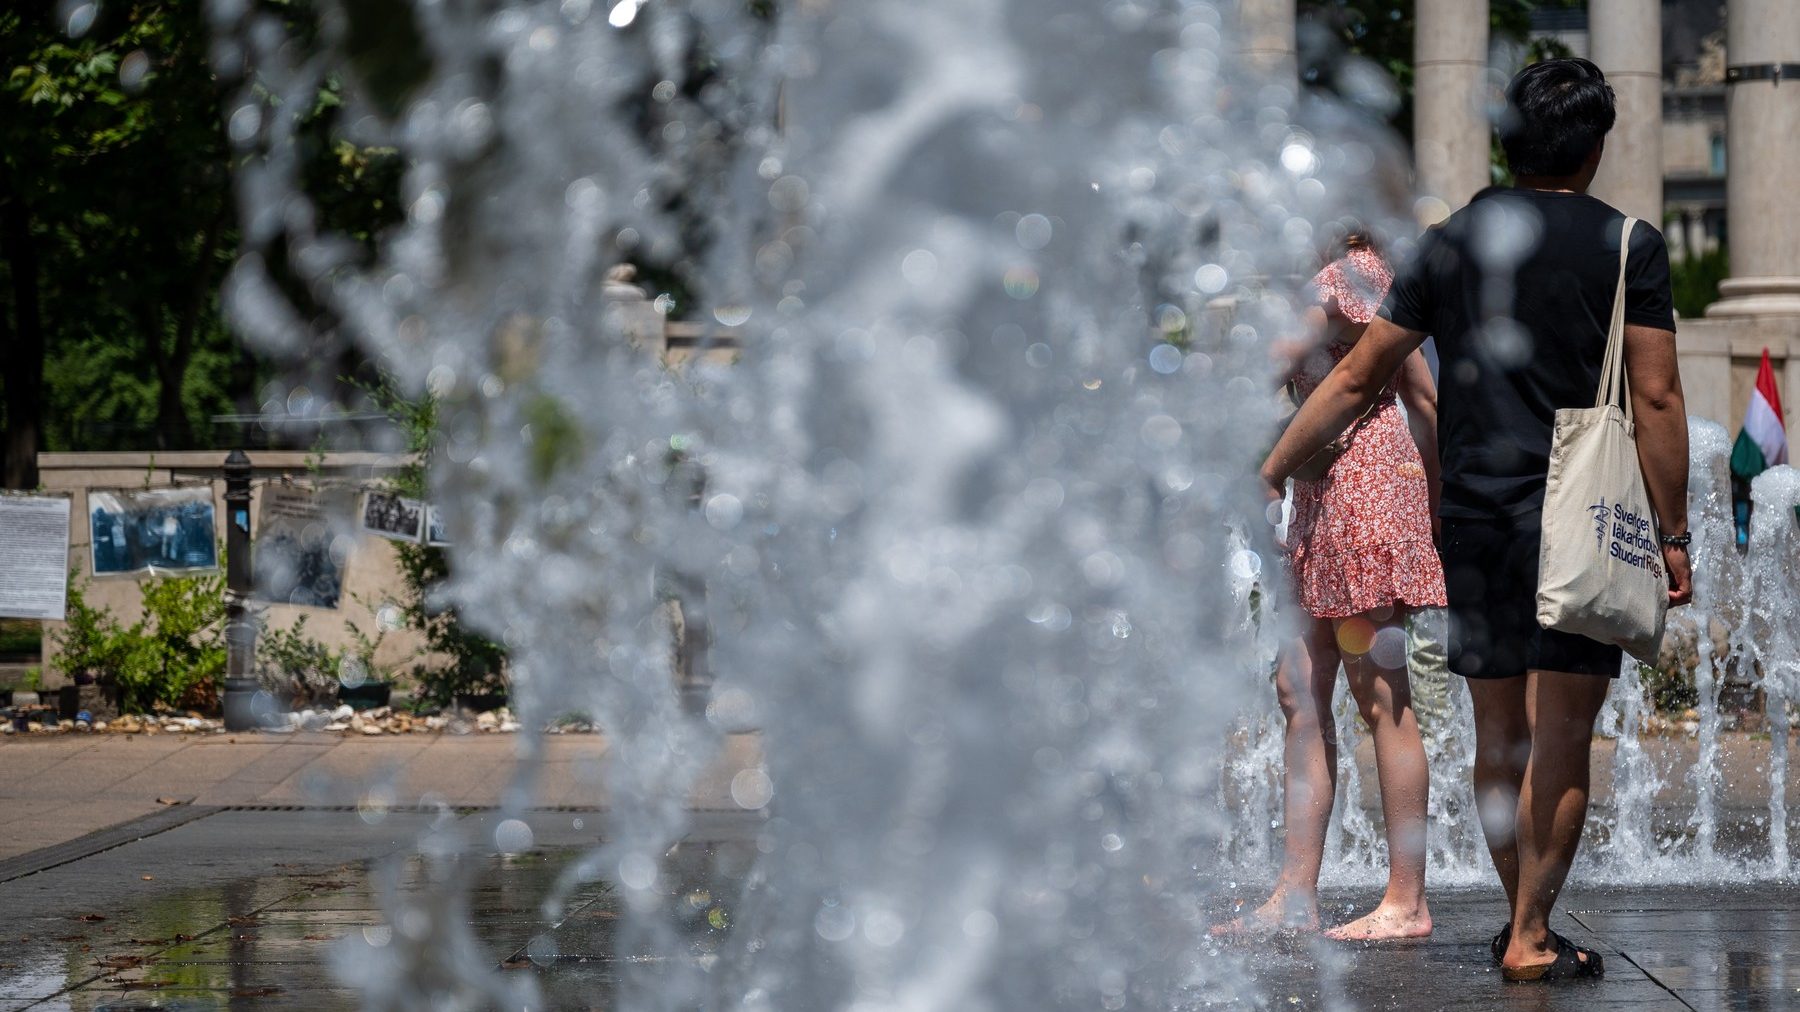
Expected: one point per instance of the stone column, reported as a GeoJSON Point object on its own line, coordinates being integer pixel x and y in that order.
{"type": "Point", "coordinates": [1625, 38]}
{"type": "Point", "coordinates": [1266, 37]}
{"type": "Point", "coordinates": [1762, 159]}
{"type": "Point", "coordinates": [1451, 132]}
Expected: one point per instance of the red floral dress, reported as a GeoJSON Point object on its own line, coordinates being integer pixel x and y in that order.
{"type": "Point", "coordinates": [1361, 536]}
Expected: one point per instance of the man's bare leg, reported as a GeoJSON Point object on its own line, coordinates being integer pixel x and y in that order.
{"type": "Point", "coordinates": [1502, 750]}
{"type": "Point", "coordinates": [1553, 805]}
{"type": "Point", "coordinates": [1384, 697]}
{"type": "Point", "coordinates": [1304, 683]}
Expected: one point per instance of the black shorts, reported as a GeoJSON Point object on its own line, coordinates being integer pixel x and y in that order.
{"type": "Point", "coordinates": [1490, 575]}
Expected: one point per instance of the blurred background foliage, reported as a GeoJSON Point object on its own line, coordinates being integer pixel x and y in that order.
{"type": "Point", "coordinates": [117, 221]}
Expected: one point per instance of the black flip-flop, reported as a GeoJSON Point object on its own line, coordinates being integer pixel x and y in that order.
{"type": "Point", "coordinates": [1568, 965]}
{"type": "Point", "coordinates": [1500, 942]}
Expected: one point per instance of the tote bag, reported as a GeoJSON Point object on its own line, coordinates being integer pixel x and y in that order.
{"type": "Point", "coordinates": [1600, 565]}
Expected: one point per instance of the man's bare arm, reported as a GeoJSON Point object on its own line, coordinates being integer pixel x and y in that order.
{"type": "Point", "coordinates": [1346, 393]}
{"type": "Point", "coordinates": [1660, 413]}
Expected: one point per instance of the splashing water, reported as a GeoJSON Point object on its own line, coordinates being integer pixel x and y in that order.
{"type": "Point", "coordinates": [1773, 596]}
{"type": "Point", "coordinates": [960, 533]}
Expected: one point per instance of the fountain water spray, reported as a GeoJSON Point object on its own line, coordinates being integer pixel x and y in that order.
{"type": "Point", "coordinates": [961, 510]}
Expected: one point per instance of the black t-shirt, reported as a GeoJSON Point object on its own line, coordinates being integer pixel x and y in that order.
{"type": "Point", "coordinates": [1517, 288]}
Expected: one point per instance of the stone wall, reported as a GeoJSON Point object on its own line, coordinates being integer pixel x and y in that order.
{"type": "Point", "coordinates": [371, 575]}
{"type": "Point", "coordinates": [1719, 358]}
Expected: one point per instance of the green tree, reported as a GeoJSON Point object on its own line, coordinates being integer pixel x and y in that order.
{"type": "Point", "coordinates": [1382, 31]}
{"type": "Point", "coordinates": [115, 205]}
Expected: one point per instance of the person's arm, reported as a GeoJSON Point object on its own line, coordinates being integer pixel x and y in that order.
{"type": "Point", "coordinates": [1346, 393]}
{"type": "Point", "coordinates": [1419, 394]}
{"type": "Point", "coordinates": [1659, 412]}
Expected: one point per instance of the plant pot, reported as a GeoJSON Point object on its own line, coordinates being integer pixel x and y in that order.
{"type": "Point", "coordinates": [68, 701]}
{"type": "Point", "coordinates": [367, 696]}
{"type": "Point", "coordinates": [480, 702]}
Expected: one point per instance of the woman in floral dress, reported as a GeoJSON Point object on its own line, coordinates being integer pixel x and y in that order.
{"type": "Point", "coordinates": [1361, 553]}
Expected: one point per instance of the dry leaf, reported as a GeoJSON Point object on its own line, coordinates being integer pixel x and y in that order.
{"type": "Point", "coordinates": [90, 918]}
{"type": "Point", "coordinates": [148, 878]}
{"type": "Point", "coordinates": [169, 801]}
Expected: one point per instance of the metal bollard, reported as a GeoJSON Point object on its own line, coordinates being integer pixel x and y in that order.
{"type": "Point", "coordinates": [240, 628]}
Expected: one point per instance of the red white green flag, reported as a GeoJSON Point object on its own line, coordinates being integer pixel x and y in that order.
{"type": "Point", "coordinates": [1762, 443]}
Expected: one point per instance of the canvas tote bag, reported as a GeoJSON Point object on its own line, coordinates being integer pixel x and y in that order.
{"type": "Point", "coordinates": [1600, 565]}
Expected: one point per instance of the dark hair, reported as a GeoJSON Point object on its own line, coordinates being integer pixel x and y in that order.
{"type": "Point", "coordinates": [1556, 112]}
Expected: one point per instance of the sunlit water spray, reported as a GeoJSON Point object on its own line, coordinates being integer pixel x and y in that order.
{"type": "Point", "coordinates": [958, 517]}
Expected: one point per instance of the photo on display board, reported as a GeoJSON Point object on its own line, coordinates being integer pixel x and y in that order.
{"type": "Point", "coordinates": [303, 544]}
{"type": "Point", "coordinates": [393, 517]}
{"type": "Point", "coordinates": [435, 534]}
{"type": "Point", "coordinates": [153, 530]}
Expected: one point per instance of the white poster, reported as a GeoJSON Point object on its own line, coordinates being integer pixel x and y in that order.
{"type": "Point", "coordinates": [34, 556]}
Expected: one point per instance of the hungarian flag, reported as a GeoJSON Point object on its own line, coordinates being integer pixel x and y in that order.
{"type": "Point", "coordinates": [1762, 443]}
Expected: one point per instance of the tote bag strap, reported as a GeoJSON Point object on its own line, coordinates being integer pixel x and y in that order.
{"type": "Point", "coordinates": [1613, 385]}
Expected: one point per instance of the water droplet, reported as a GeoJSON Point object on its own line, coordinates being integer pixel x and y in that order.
{"type": "Point", "coordinates": [1210, 279]}
{"type": "Point", "coordinates": [751, 789]}
{"type": "Point", "coordinates": [1165, 359]}
{"type": "Point", "coordinates": [513, 837]}
{"type": "Point", "coordinates": [919, 267]}
{"type": "Point", "coordinates": [723, 511]}
{"type": "Point", "coordinates": [133, 69]}
{"type": "Point", "coordinates": [623, 13]}
{"type": "Point", "coordinates": [1033, 231]}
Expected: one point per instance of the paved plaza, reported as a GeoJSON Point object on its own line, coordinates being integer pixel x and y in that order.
{"type": "Point", "coordinates": [204, 872]}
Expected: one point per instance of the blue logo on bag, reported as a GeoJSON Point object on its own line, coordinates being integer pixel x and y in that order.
{"type": "Point", "coordinates": [1602, 514]}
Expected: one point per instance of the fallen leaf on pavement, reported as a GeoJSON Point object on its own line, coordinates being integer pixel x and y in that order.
{"type": "Point", "coordinates": [90, 918]}
{"type": "Point", "coordinates": [148, 878]}
{"type": "Point", "coordinates": [169, 801]}
{"type": "Point", "coordinates": [120, 962]}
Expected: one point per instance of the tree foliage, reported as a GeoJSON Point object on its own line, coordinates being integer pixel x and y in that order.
{"type": "Point", "coordinates": [115, 188]}
{"type": "Point", "coordinates": [117, 226]}
{"type": "Point", "coordinates": [1382, 32]}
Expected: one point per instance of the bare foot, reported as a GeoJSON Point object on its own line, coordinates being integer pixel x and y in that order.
{"type": "Point", "coordinates": [1384, 923]}
{"type": "Point", "coordinates": [1280, 915]}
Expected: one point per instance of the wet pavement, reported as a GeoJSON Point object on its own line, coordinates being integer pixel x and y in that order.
{"type": "Point", "coordinates": [256, 908]}
{"type": "Point", "coordinates": [1677, 947]}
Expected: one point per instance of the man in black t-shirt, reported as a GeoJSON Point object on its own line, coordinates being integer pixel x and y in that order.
{"type": "Point", "coordinates": [1517, 288]}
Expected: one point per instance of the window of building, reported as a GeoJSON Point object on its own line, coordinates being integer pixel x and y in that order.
{"type": "Point", "coordinates": [1718, 155]}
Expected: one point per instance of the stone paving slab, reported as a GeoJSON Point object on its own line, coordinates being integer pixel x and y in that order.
{"type": "Point", "coordinates": [54, 789]}
{"type": "Point", "coordinates": [244, 908]}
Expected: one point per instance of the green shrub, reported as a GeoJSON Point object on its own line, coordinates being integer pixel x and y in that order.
{"type": "Point", "coordinates": [289, 662]}
{"type": "Point", "coordinates": [1694, 281]}
{"type": "Point", "coordinates": [174, 656]}
{"type": "Point", "coordinates": [20, 637]}
{"type": "Point", "coordinates": [464, 661]}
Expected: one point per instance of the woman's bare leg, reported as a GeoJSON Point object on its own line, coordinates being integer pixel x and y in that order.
{"type": "Point", "coordinates": [1384, 697]}
{"type": "Point", "coordinates": [1304, 683]}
